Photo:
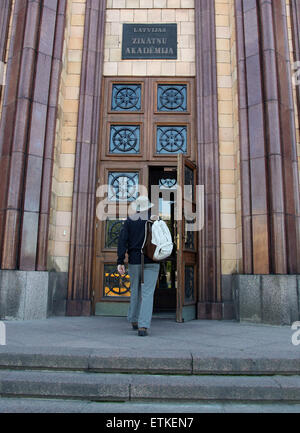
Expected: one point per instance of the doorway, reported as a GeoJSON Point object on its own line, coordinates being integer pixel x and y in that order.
{"type": "Point", "coordinates": [147, 130]}
{"type": "Point", "coordinates": [165, 179]}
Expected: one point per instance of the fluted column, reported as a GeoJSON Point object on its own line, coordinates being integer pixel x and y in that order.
{"type": "Point", "coordinates": [295, 22]}
{"type": "Point", "coordinates": [269, 172]}
{"type": "Point", "coordinates": [27, 132]}
{"type": "Point", "coordinates": [84, 194]}
{"type": "Point", "coordinates": [210, 296]}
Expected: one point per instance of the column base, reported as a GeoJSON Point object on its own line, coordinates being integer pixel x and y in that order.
{"type": "Point", "coordinates": [269, 299]}
{"type": "Point", "coordinates": [32, 295]}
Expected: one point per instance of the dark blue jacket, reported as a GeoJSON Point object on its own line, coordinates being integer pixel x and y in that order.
{"type": "Point", "coordinates": [131, 240]}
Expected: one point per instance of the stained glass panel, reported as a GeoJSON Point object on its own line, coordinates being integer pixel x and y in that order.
{"type": "Point", "coordinates": [172, 97]}
{"type": "Point", "coordinates": [168, 181]}
{"type": "Point", "coordinates": [189, 280]}
{"type": "Point", "coordinates": [124, 139]}
{"type": "Point", "coordinates": [123, 186]}
{"type": "Point", "coordinates": [114, 283]}
{"type": "Point", "coordinates": [126, 97]}
{"type": "Point", "coordinates": [112, 232]}
{"type": "Point", "coordinates": [171, 139]}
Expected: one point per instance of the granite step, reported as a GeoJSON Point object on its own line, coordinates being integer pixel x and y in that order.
{"type": "Point", "coordinates": [145, 362]}
{"type": "Point", "coordinates": [129, 387]}
{"type": "Point", "coordinates": [44, 405]}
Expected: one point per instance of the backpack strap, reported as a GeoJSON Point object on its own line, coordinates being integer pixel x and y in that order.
{"type": "Point", "coordinates": [142, 268]}
{"type": "Point", "coordinates": [142, 252]}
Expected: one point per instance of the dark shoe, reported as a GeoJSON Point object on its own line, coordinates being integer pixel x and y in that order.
{"type": "Point", "coordinates": [135, 326]}
{"type": "Point", "coordinates": [142, 332]}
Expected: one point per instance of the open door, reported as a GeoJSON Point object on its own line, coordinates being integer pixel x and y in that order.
{"type": "Point", "coordinates": [186, 296]}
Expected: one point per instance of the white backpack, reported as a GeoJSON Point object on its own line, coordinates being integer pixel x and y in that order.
{"type": "Point", "coordinates": [158, 243]}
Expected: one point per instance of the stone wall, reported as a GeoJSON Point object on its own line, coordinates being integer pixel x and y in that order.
{"type": "Point", "coordinates": [150, 11]}
{"type": "Point", "coordinates": [145, 11]}
{"type": "Point", "coordinates": [130, 11]}
{"type": "Point", "coordinates": [63, 172]}
{"type": "Point", "coordinates": [229, 138]}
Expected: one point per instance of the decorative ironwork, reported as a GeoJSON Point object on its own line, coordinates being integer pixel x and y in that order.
{"type": "Point", "coordinates": [172, 97]}
{"type": "Point", "coordinates": [112, 232]}
{"type": "Point", "coordinates": [126, 97]}
{"type": "Point", "coordinates": [114, 283]}
{"type": "Point", "coordinates": [124, 139]}
{"type": "Point", "coordinates": [189, 283]}
{"type": "Point", "coordinates": [168, 183]}
{"type": "Point", "coordinates": [171, 139]}
{"type": "Point", "coordinates": [123, 186]}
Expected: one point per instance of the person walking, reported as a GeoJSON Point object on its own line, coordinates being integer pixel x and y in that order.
{"type": "Point", "coordinates": [131, 240]}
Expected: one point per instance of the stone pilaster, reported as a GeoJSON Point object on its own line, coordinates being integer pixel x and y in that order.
{"type": "Point", "coordinates": [269, 171]}
{"type": "Point", "coordinates": [84, 194]}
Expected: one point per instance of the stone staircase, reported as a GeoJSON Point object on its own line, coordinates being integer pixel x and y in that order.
{"type": "Point", "coordinates": [153, 377]}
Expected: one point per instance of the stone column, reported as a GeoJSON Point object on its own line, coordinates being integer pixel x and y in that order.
{"type": "Point", "coordinates": [269, 169]}
{"type": "Point", "coordinates": [210, 296]}
{"type": "Point", "coordinates": [295, 24]}
{"type": "Point", "coordinates": [295, 27]}
{"type": "Point", "coordinates": [84, 195]}
{"type": "Point", "coordinates": [270, 188]}
{"type": "Point", "coordinates": [27, 133]}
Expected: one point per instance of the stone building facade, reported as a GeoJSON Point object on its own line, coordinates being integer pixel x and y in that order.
{"type": "Point", "coordinates": [236, 77]}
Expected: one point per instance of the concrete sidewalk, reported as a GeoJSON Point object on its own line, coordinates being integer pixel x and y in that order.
{"type": "Point", "coordinates": [204, 338]}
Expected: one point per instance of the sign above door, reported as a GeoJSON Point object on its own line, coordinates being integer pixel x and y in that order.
{"type": "Point", "coordinates": [149, 41]}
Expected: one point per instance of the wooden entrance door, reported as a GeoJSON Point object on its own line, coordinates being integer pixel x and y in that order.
{"type": "Point", "coordinates": [144, 123]}
{"type": "Point", "coordinates": [186, 294]}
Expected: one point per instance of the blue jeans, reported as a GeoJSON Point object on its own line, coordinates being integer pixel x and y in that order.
{"type": "Point", "coordinates": [141, 300]}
